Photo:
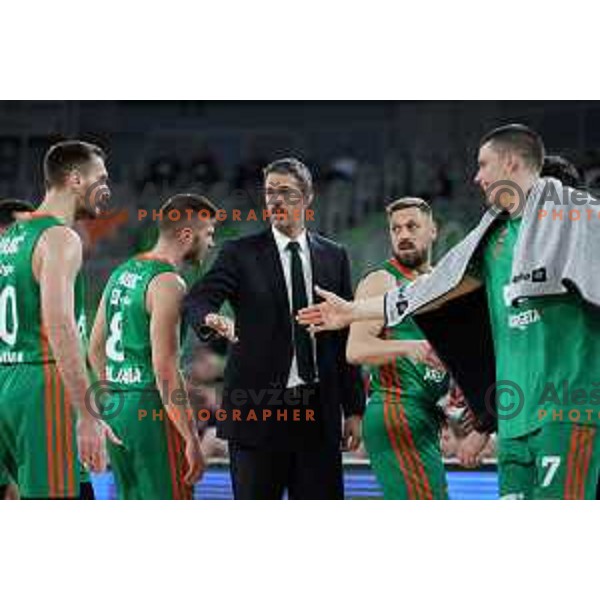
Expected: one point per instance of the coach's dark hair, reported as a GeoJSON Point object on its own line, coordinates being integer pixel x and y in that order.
{"type": "Point", "coordinates": [563, 170]}
{"type": "Point", "coordinates": [295, 167]}
{"type": "Point", "coordinates": [520, 139]}
{"type": "Point", "coordinates": [408, 202]}
{"type": "Point", "coordinates": [64, 157]}
{"type": "Point", "coordinates": [175, 211]}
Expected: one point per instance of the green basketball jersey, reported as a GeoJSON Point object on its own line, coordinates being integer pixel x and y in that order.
{"type": "Point", "coordinates": [128, 343]}
{"type": "Point", "coordinates": [23, 337]}
{"type": "Point", "coordinates": [547, 348]}
{"type": "Point", "coordinates": [407, 378]}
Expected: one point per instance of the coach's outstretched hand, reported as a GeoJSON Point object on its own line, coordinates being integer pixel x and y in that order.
{"type": "Point", "coordinates": [334, 313]}
{"type": "Point", "coordinates": [224, 326]}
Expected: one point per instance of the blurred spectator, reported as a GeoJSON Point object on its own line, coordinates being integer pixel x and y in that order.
{"type": "Point", "coordinates": [458, 423]}
{"type": "Point", "coordinates": [344, 166]}
{"type": "Point", "coordinates": [249, 179]}
{"type": "Point", "coordinates": [204, 373]}
{"type": "Point", "coordinates": [450, 438]}
{"type": "Point", "coordinates": [442, 184]}
{"type": "Point", "coordinates": [9, 158]}
{"type": "Point", "coordinates": [205, 367]}
{"type": "Point", "coordinates": [163, 171]}
{"type": "Point", "coordinates": [204, 169]}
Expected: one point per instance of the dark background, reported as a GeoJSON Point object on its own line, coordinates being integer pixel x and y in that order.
{"type": "Point", "coordinates": [362, 155]}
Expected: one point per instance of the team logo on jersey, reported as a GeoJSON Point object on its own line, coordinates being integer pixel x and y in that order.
{"type": "Point", "coordinates": [10, 357]}
{"type": "Point", "coordinates": [6, 270]}
{"type": "Point", "coordinates": [125, 376]}
{"type": "Point", "coordinates": [129, 280]}
{"type": "Point", "coordinates": [401, 303]}
{"type": "Point", "coordinates": [523, 319]}
{"type": "Point", "coordinates": [538, 275]}
{"type": "Point", "coordinates": [435, 375]}
{"type": "Point", "coordinates": [401, 306]}
{"type": "Point", "coordinates": [9, 246]}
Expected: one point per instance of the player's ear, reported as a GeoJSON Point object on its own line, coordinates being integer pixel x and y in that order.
{"type": "Point", "coordinates": [512, 163]}
{"type": "Point", "coordinates": [434, 230]}
{"type": "Point", "coordinates": [185, 235]}
{"type": "Point", "coordinates": [74, 178]}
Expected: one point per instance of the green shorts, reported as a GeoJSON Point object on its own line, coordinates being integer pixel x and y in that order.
{"type": "Point", "coordinates": [559, 461]}
{"type": "Point", "coordinates": [38, 445]}
{"type": "Point", "coordinates": [150, 465]}
{"type": "Point", "coordinates": [402, 440]}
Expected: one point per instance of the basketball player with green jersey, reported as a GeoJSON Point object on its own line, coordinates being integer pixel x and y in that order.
{"type": "Point", "coordinates": [545, 345]}
{"type": "Point", "coordinates": [401, 422]}
{"type": "Point", "coordinates": [44, 421]}
{"type": "Point", "coordinates": [8, 212]}
{"type": "Point", "coordinates": [550, 449]}
{"type": "Point", "coordinates": [135, 350]}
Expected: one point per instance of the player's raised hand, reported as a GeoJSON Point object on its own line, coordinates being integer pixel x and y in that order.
{"type": "Point", "coordinates": [195, 460]}
{"type": "Point", "coordinates": [334, 313]}
{"type": "Point", "coordinates": [470, 449]}
{"type": "Point", "coordinates": [224, 326]}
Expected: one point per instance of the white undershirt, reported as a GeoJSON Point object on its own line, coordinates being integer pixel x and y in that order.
{"type": "Point", "coordinates": [282, 241]}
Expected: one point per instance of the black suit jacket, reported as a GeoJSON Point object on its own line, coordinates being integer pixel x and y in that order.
{"type": "Point", "coordinates": [248, 273]}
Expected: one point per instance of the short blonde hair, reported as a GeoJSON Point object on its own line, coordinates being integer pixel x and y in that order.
{"type": "Point", "coordinates": [408, 202]}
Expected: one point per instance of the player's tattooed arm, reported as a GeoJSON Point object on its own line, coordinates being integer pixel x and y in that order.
{"type": "Point", "coordinates": [163, 302]}
{"type": "Point", "coordinates": [365, 345]}
{"type": "Point", "coordinates": [97, 345]}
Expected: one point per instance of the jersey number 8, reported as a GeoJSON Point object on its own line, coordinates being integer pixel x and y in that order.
{"type": "Point", "coordinates": [114, 342]}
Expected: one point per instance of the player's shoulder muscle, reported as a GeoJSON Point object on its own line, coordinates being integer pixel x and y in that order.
{"type": "Point", "coordinates": [58, 245]}
{"type": "Point", "coordinates": [375, 283]}
{"type": "Point", "coordinates": [168, 289]}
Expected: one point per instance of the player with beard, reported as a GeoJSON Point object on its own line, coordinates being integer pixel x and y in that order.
{"type": "Point", "coordinates": [135, 350]}
{"type": "Point", "coordinates": [401, 425]}
{"type": "Point", "coordinates": [45, 426]}
{"type": "Point", "coordinates": [544, 338]}
{"type": "Point", "coordinates": [12, 210]}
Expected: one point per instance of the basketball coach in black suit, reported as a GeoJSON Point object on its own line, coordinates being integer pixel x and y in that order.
{"type": "Point", "coordinates": [277, 367]}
